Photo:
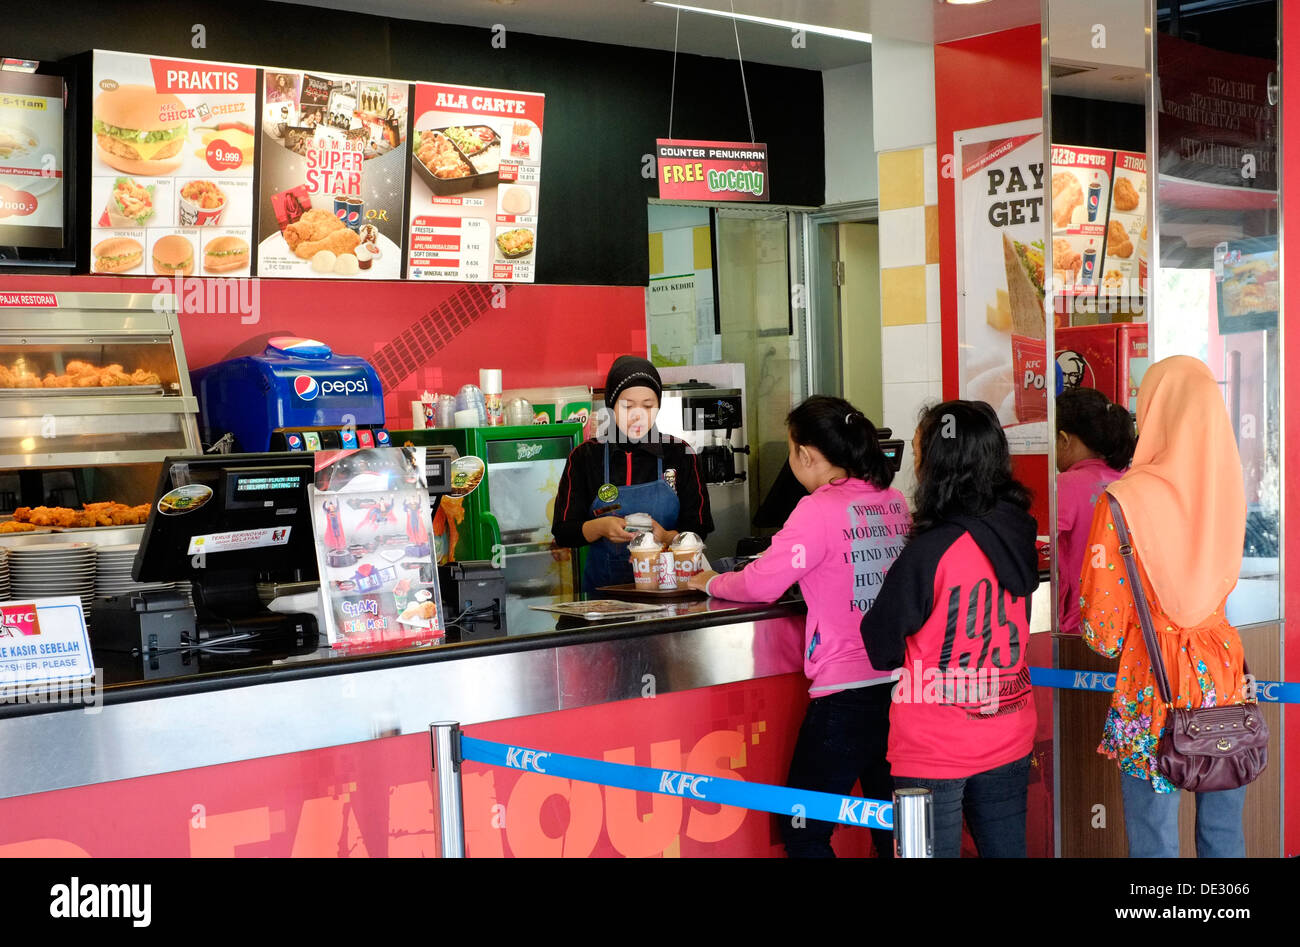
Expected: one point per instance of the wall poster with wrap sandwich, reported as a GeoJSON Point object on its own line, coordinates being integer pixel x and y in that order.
{"type": "Point", "coordinates": [476, 159]}
{"type": "Point", "coordinates": [1001, 206]}
{"type": "Point", "coordinates": [332, 191]}
{"type": "Point", "coordinates": [171, 174]}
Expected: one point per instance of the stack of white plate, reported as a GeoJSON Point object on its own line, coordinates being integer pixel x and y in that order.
{"type": "Point", "coordinates": [113, 573]}
{"type": "Point", "coordinates": [48, 570]}
{"type": "Point", "coordinates": [4, 574]}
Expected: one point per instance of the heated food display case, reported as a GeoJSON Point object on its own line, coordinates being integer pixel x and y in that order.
{"type": "Point", "coordinates": [94, 393]}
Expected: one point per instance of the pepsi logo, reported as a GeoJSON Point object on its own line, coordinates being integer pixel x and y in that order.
{"type": "Point", "coordinates": [305, 387]}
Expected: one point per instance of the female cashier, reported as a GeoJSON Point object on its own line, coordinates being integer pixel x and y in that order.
{"type": "Point", "coordinates": [628, 468]}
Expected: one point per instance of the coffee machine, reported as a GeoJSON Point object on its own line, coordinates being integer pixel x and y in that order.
{"type": "Point", "coordinates": [712, 420]}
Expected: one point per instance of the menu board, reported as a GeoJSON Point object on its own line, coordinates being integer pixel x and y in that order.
{"type": "Point", "coordinates": [31, 160]}
{"type": "Point", "coordinates": [371, 515]}
{"type": "Point", "coordinates": [171, 186]}
{"type": "Point", "coordinates": [1081, 190]}
{"type": "Point", "coordinates": [333, 173]}
{"type": "Point", "coordinates": [476, 158]}
{"type": "Point", "coordinates": [1001, 202]}
{"type": "Point", "coordinates": [1125, 266]}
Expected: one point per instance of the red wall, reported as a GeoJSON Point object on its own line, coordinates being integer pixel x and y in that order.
{"type": "Point", "coordinates": [537, 335]}
{"type": "Point", "coordinates": [1010, 65]}
{"type": "Point", "coordinates": [1291, 414]}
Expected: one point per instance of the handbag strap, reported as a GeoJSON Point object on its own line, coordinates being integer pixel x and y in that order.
{"type": "Point", "coordinates": [1140, 599]}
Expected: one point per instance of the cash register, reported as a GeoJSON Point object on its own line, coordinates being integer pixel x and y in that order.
{"type": "Point", "coordinates": [223, 522]}
{"type": "Point", "coordinates": [298, 395]}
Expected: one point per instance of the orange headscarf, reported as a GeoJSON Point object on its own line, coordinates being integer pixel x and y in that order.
{"type": "Point", "coordinates": [1183, 496]}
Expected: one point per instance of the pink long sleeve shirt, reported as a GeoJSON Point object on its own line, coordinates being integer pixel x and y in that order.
{"type": "Point", "coordinates": [837, 545]}
{"type": "Point", "coordinates": [1077, 493]}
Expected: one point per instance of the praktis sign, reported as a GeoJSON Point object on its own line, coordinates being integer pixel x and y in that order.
{"type": "Point", "coordinates": [690, 170]}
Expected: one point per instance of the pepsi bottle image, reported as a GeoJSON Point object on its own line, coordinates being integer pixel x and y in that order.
{"type": "Point", "coordinates": [1094, 197]}
{"type": "Point", "coordinates": [1089, 265]}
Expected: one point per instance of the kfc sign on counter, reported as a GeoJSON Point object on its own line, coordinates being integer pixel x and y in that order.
{"type": "Point", "coordinates": [692, 170]}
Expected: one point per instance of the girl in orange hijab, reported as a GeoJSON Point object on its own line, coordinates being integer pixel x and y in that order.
{"type": "Point", "coordinates": [1185, 504]}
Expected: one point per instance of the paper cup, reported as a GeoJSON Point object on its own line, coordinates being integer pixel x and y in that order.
{"type": "Point", "coordinates": [192, 215]}
{"type": "Point", "coordinates": [687, 563]}
{"type": "Point", "coordinates": [643, 569]}
{"type": "Point", "coordinates": [1030, 375]}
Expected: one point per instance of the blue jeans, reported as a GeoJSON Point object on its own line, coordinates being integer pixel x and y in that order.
{"type": "Point", "coordinates": [1151, 820]}
{"type": "Point", "coordinates": [994, 803]}
{"type": "Point", "coordinates": [843, 740]}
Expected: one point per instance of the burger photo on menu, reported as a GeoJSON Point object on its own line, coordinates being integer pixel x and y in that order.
{"type": "Point", "coordinates": [333, 177]}
{"type": "Point", "coordinates": [174, 147]}
{"type": "Point", "coordinates": [173, 255]}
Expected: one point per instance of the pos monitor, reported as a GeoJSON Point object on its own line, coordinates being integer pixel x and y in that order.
{"type": "Point", "coordinates": [225, 522]}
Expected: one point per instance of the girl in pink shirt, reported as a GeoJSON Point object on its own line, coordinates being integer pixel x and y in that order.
{"type": "Point", "coordinates": [837, 545]}
{"type": "Point", "coordinates": [1095, 439]}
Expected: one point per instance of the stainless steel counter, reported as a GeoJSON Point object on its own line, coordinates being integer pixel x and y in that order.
{"type": "Point", "coordinates": [206, 715]}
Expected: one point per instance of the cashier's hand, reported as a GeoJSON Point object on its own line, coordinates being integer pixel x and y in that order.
{"type": "Point", "coordinates": [613, 528]}
{"type": "Point", "coordinates": [700, 581]}
{"type": "Point", "coordinates": [663, 536]}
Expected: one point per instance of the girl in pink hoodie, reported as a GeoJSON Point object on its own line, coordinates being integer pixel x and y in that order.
{"type": "Point", "coordinates": [837, 545]}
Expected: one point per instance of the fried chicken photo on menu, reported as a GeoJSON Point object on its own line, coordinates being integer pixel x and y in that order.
{"type": "Point", "coordinates": [1117, 240]}
{"type": "Point", "coordinates": [319, 230]}
{"type": "Point", "coordinates": [1126, 195]}
{"type": "Point", "coordinates": [1066, 261]}
{"type": "Point", "coordinates": [1067, 194]}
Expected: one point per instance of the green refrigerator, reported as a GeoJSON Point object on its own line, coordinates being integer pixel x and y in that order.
{"type": "Point", "coordinates": [507, 517]}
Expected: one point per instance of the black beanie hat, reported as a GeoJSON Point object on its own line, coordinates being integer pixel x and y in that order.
{"type": "Point", "coordinates": [629, 371]}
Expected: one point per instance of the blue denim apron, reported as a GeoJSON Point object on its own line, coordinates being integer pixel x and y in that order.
{"type": "Point", "coordinates": [610, 563]}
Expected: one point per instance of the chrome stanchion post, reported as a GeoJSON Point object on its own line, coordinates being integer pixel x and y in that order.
{"type": "Point", "coordinates": [913, 823]}
{"type": "Point", "coordinates": [445, 735]}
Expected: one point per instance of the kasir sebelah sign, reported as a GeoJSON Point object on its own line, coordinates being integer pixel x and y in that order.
{"type": "Point", "coordinates": [691, 170]}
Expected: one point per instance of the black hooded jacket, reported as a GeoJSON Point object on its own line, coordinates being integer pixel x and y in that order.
{"type": "Point", "coordinates": [1006, 535]}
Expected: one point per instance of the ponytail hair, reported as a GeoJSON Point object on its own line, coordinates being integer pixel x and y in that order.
{"type": "Point", "coordinates": [845, 436]}
{"type": "Point", "coordinates": [1104, 427]}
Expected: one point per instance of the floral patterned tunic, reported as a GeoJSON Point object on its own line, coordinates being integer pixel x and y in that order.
{"type": "Point", "coordinates": [1204, 662]}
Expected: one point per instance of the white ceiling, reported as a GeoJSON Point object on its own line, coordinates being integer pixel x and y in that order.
{"type": "Point", "coordinates": [640, 23]}
{"type": "Point", "coordinates": [1106, 41]}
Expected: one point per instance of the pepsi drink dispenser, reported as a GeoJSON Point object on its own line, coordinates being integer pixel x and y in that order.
{"type": "Point", "coordinates": [297, 395]}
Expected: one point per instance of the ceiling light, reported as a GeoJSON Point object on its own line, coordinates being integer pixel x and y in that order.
{"type": "Point", "coordinates": [768, 21]}
{"type": "Point", "coordinates": [964, 3]}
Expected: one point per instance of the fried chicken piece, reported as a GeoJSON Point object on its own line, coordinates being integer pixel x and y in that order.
{"type": "Point", "coordinates": [113, 376]}
{"type": "Point", "coordinates": [1117, 240]}
{"type": "Point", "coordinates": [316, 224]}
{"type": "Point", "coordinates": [142, 377]}
{"type": "Point", "coordinates": [27, 380]}
{"type": "Point", "coordinates": [76, 367]}
{"type": "Point", "coordinates": [1126, 195]}
{"type": "Point", "coordinates": [1066, 261]}
{"type": "Point", "coordinates": [23, 514]}
{"type": "Point", "coordinates": [338, 243]}
{"type": "Point", "coordinates": [6, 378]}
{"type": "Point", "coordinates": [1067, 194]}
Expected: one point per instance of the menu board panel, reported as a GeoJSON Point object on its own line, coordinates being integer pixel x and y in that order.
{"type": "Point", "coordinates": [333, 172]}
{"type": "Point", "coordinates": [1081, 187]}
{"type": "Point", "coordinates": [476, 159]}
{"type": "Point", "coordinates": [31, 160]}
{"type": "Point", "coordinates": [1001, 202]}
{"type": "Point", "coordinates": [171, 188]}
{"type": "Point", "coordinates": [1126, 232]}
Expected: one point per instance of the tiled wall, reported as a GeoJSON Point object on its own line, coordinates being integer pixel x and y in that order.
{"type": "Point", "coordinates": [911, 352]}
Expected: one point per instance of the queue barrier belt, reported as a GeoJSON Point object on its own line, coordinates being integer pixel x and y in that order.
{"type": "Point", "coordinates": [782, 800]}
{"type": "Point", "coordinates": [823, 806]}
{"type": "Point", "coordinates": [1266, 692]}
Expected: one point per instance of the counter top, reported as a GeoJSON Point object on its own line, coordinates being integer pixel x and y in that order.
{"type": "Point", "coordinates": [128, 679]}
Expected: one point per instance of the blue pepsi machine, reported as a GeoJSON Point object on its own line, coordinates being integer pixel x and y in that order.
{"type": "Point", "coordinates": [296, 396]}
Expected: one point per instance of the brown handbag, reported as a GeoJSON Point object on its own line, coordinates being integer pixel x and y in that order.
{"type": "Point", "coordinates": [1203, 749]}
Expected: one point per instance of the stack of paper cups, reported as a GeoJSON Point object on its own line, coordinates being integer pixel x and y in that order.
{"type": "Point", "coordinates": [489, 379]}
